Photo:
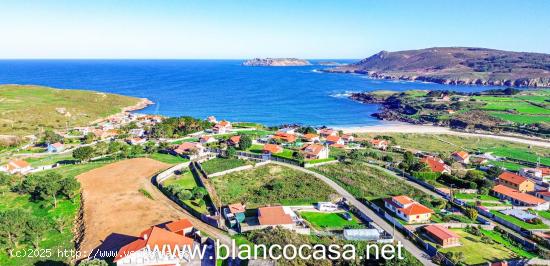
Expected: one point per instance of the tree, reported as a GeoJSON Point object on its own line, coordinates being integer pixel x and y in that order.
{"type": "Point", "coordinates": [494, 172]}
{"type": "Point", "coordinates": [306, 130]}
{"type": "Point", "coordinates": [52, 137]}
{"type": "Point", "coordinates": [12, 226]}
{"type": "Point", "coordinates": [89, 138]}
{"type": "Point", "coordinates": [35, 228]}
{"type": "Point", "coordinates": [298, 156]}
{"type": "Point", "coordinates": [136, 150]}
{"type": "Point", "coordinates": [245, 142]}
{"type": "Point", "coordinates": [471, 213]}
{"type": "Point", "coordinates": [101, 148]}
{"type": "Point", "coordinates": [69, 187]}
{"type": "Point", "coordinates": [48, 187]}
{"type": "Point", "coordinates": [114, 146]}
{"type": "Point", "coordinates": [230, 152]}
{"type": "Point", "coordinates": [199, 192]}
{"type": "Point", "coordinates": [474, 175]}
{"type": "Point", "coordinates": [150, 147]}
{"type": "Point", "coordinates": [83, 154]}
{"type": "Point", "coordinates": [184, 194]}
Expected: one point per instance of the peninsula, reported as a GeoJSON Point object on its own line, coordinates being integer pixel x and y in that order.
{"type": "Point", "coordinates": [276, 62]}
{"type": "Point", "coordinates": [456, 65]}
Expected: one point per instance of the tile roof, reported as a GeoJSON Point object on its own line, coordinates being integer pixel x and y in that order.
{"type": "Point", "coordinates": [236, 208]}
{"type": "Point", "coordinates": [332, 138]}
{"type": "Point", "coordinates": [461, 154]}
{"type": "Point", "coordinates": [179, 225]}
{"type": "Point", "coordinates": [310, 136]}
{"type": "Point", "coordinates": [272, 148]}
{"type": "Point", "coordinates": [434, 163]}
{"type": "Point", "coordinates": [313, 149]}
{"type": "Point", "coordinates": [413, 208]}
{"type": "Point", "coordinates": [273, 216]}
{"type": "Point", "coordinates": [440, 232]}
{"type": "Point", "coordinates": [512, 178]}
{"type": "Point", "coordinates": [514, 194]}
{"type": "Point", "coordinates": [235, 139]}
{"type": "Point", "coordinates": [154, 237]}
{"type": "Point", "coordinates": [284, 136]}
{"type": "Point", "coordinates": [403, 200]}
{"type": "Point", "coordinates": [17, 163]}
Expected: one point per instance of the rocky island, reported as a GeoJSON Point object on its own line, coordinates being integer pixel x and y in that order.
{"type": "Point", "coordinates": [457, 65]}
{"type": "Point", "coordinates": [276, 62]}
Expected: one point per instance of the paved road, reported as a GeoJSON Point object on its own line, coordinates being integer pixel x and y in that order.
{"type": "Point", "coordinates": [411, 247]}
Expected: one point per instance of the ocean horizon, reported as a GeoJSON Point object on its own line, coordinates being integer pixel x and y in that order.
{"type": "Point", "coordinates": [223, 88]}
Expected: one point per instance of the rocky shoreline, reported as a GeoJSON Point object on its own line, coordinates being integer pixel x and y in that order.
{"type": "Point", "coordinates": [276, 62]}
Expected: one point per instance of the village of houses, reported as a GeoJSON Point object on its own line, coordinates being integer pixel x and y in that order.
{"type": "Point", "coordinates": [515, 209]}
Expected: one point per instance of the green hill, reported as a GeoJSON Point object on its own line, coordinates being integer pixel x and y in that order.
{"type": "Point", "coordinates": [26, 109]}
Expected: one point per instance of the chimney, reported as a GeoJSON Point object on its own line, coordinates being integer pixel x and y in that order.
{"type": "Point", "coordinates": [144, 236]}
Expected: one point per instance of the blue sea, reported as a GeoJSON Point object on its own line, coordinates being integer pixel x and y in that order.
{"type": "Point", "coordinates": [223, 88]}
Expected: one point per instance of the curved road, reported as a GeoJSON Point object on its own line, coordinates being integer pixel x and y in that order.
{"type": "Point", "coordinates": [411, 247]}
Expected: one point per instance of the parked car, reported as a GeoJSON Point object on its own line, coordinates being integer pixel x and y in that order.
{"type": "Point", "coordinates": [347, 216]}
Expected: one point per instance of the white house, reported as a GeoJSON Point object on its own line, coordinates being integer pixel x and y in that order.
{"type": "Point", "coordinates": [207, 139]}
{"type": "Point", "coordinates": [56, 147]}
{"type": "Point", "coordinates": [315, 151]}
{"type": "Point", "coordinates": [137, 141]}
{"type": "Point", "coordinates": [16, 167]}
{"type": "Point", "coordinates": [461, 157]}
{"type": "Point", "coordinates": [408, 209]}
{"type": "Point", "coordinates": [190, 150]}
{"type": "Point", "coordinates": [222, 127]}
{"type": "Point", "coordinates": [137, 132]}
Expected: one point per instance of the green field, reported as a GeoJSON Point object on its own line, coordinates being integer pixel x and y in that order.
{"type": "Point", "coordinates": [186, 181]}
{"type": "Point", "coordinates": [221, 164]}
{"type": "Point", "coordinates": [168, 158]}
{"type": "Point", "coordinates": [497, 237]}
{"type": "Point", "coordinates": [522, 119]}
{"type": "Point", "coordinates": [521, 154]}
{"type": "Point", "coordinates": [321, 220]}
{"type": "Point", "coordinates": [365, 181]}
{"type": "Point", "coordinates": [477, 252]}
{"type": "Point", "coordinates": [271, 184]}
{"type": "Point", "coordinates": [66, 211]}
{"type": "Point", "coordinates": [519, 222]}
{"type": "Point", "coordinates": [25, 109]}
{"type": "Point", "coordinates": [474, 196]}
{"type": "Point", "coordinates": [50, 159]}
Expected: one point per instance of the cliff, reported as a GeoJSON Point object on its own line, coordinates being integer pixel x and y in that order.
{"type": "Point", "coordinates": [457, 65]}
{"type": "Point", "coordinates": [276, 62]}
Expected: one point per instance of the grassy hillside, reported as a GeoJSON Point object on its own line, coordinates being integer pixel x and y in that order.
{"type": "Point", "coordinates": [26, 109]}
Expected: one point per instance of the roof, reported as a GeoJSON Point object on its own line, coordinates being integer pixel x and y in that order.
{"type": "Point", "coordinates": [327, 131]}
{"type": "Point", "coordinates": [272, 148]}
{"type": "Point", "coordinates": [235, 139]}
{"type": "Point", "coordinates": [179, 225]}
{"type": "Point", "coordinates": [223, 123]}
{"type": "Point", "coordinates": [273, 216]}
{"type": "Point", "coordinates": [514, 194]}
{"type": "Point", "coordinates": [285, 136]}
{"type": "Point", "coordinates": [403, 200]}
{"type": "Point", "coordinates": [512, 178]}
{"type": "Point", "coordinates": [310, 136]}
{"type": "Point", "coordinates": [236, 208]}
{"type": "Point", "coordinates": [440, 232]}
{"type": "Point", "coordinates": [187, 146]}
{"type": "Point", "coordinates": [332, 138]}
{"type": "Point", "coordinates": [154, 237]}
{"type": "Point", "coordinates": [16, 164]}
{"type": "Point", "coordinates": [314, 149]}
{"type": "Point", "coordinates": [544, 170]}
{"type": "Point", "coordinates": [335, 145]}
{"type": "Point", "coordinates": [378, 141]}
{"type": "Point", "coordinates": [205, 138]}
{"type": "Point", "coordinates": [461, 154]}
{"type": "Point", "coordinates": [413, 208]}
{"type": "Point", "coordinates": [434, 163]}
{"type": "Point", "coordinates": [57, 145]}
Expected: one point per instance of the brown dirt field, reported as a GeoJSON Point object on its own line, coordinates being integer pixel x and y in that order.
{"type": "Point", "coordinates": [113, 205]}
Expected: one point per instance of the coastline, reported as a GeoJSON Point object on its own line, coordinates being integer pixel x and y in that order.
{"type": "Point", "coordinates": [142, 104]}
{"type": "Point", "coordinates": [397, 127]}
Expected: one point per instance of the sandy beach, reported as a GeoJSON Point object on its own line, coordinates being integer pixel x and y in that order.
{"type": "Point", "coordinates": [396, 127]}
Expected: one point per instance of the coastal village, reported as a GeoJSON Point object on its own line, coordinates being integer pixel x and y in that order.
{"type": "Point", "coordinates": [234, 179]}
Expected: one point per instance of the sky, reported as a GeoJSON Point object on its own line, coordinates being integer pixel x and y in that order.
{"type": "Point", "coordinates": [239, 29]}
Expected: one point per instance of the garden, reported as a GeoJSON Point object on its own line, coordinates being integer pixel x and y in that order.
{"type": "Point", "coordinates": [222, 164]}
{"type": "Point", "coordinates": [185, 188]}
{"type": "Point", "coordinates": [333, 221]}
{"type": "Point", "coordinates": [271, 185]}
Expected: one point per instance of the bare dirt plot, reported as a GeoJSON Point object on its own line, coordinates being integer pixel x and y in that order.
{"type": "Point", "coordinates": [113, 203]}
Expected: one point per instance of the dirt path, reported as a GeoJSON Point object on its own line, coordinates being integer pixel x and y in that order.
{"type": "Point", "coordinates": [115, 209]}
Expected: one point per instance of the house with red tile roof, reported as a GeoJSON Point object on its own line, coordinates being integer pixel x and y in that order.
{"type": "Point", "coordinates": [222, 127]}
{"type": "Point", "coordinates": [182, 227]}
{"type": "Point", "coordinates": [190, 150]}
{"type": "Point", "coordinates": [234, 140]}
{"type": "Point", "coordinates": [275, 216]}
{"type": "Point", "coordinates": [315, 151]}
{"type": "Point", "coordinates": [380, 144]}
{"type": "Point", "coordinates": [516, 182]}
{"type": "Point", "coordinates": [331, 140]}
{"type": "Point", "coordinates": [285, 137]}
{"type": "Point", "coordinates": [408, 209]}
{"type": "Point", "coordinates": [16, 166]}
{"type": "Point", "coordinates": [348, 138]}
{"type": "Point", "coordinates": [148, 249]}
{"type": "Point", "coordinates": [207, 139]}
{"type": "Point", "coordinates": [461, 157]}
{"type": "Point", "coordinates": [136, 141]}
{"type": "Point", "coordinates": [442, 236]}
{"type": "Point", "coordinates": [436, 164]}
{"type": "Point", "coordinates": [518, 198]}
{"type": "Point", "coordinates": [310, 137]}
{"type": "Point", "coordinates": [325, 132]}
{"type": "Point", "coordinates": [541, 174]}
{"type": "Point", "coordinates": [272, 148]}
